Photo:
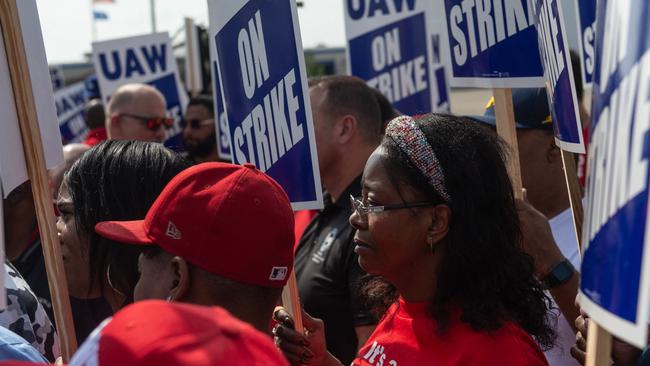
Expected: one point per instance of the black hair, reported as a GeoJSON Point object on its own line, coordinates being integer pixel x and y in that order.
{"type": "Point", "coordinates": [118, 180]}
{"type": "Point", "coordinates": [388, 112]}
{"type": "Point", "coordinates": [577, 74]}
{"type": "Point", "coordinates": [202, 100]}
{"type": "Point", "coordinates": [94, 113]}
{"type": "Point", "coordinates": [351, 95]}
{"type": "Point", "coordinates": [484, 269]}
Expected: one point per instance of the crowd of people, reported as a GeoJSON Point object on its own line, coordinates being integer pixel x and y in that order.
{"type": "Point", "coordinates": [421, 255]}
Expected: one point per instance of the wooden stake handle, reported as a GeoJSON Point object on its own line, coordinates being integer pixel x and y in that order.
{"type": "Point", "coordinates": [291, 302]}
{"type": "Point", "coordinates": [36, 168]}
{"type": "Point", "coordinates": [575, 194]}
{"type": "Point", "coordinates": [507, 130]}
{"type": "Point", "coordinates": [599, 346]}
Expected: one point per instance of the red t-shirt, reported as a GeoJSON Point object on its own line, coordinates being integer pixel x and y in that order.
{"type": "Point", "coordinates": [407, 337]}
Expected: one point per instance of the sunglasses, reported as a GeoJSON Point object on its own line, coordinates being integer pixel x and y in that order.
{"type": "Point", "coordinates": [196, 124]}
{"type": "Point", "coordinates": [152, 123]}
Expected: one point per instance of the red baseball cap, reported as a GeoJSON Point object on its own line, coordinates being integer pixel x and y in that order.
{"type": "Point", "coordinates": [233, 221]}
{"type": "Point", "coordinates": [178, 334]}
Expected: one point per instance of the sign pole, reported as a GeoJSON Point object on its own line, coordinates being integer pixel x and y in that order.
{"type": "Point", "coordinates": [507, 131]}
{"type": "Point", "coordinates": [35, 159]}
{"type": "Point", "coordinates": [190, 70]}
{"type": "Point", "coordinates": [291, 301]}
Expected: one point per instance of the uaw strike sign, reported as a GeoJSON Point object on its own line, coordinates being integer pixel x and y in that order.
{"type": "Point", "coordinates": [221, 120]}
{"type": "Point", "coordinates": [492, 43]}
{"type": "Point", "coordinates": [265, 95]}
{"type": "Point", "coordinates": [144, 59]}
{"type": "Point", "coordinates": [586, 23]}
{"type": "Point", "coordinates": [392, 45]}
{"type": "Point", "coordinates": [70, 103]}
{"type": "Point", "coordinates": [615, 281]}
{"type": "Point", "coordinates": [560, 88]}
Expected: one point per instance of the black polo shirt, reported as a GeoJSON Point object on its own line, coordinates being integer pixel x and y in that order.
{"type": "Point", "coordinates": [327, 269]}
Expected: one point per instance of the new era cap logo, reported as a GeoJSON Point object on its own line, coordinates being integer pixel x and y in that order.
{"type": "Point", "coordinates": [278, 273]}
{"type": "Point", "coordinates": [173, 232]}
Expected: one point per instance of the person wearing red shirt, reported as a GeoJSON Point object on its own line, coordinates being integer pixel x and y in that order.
{"type": "Point", "coordinates": [95, 119]}
{"type": "Point", "coordinates": [437, 226]}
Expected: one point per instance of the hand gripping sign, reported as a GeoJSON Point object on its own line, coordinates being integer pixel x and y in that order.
{"type": "Point", "coordinates": [144, 59]}
{"type": "Point", "coordinates": [560, 88]}
{"type": "Point", "coordinates": [492, 43]}
{"type": "Point", "coordinates": [392, 45]}
{"type": "Point", "coordinates": [265, 95]}
{"type": "Point", "coordinates": [615, 283]}
{"type": "Point", "coordinates": [586, 24]}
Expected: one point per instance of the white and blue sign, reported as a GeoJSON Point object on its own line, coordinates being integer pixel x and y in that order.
{"type": "Point", "coordinates": [221, 120]}
{"type": "Point", "coordinates": [147, 59]}
{"type": "Point", "coordinates": [56, 74]}
{"type": "Point", "coordinates": [492, 44]}
{"type": "Point", "coordinates": [70, 103]}
{"type": "Point", "coordinates": [615, 283]}
{"type": "Point", "coordinates": [262, 72]}
{"type": "Point", "coordinates": [560, 85]}
{"type": "Point", "coordinates": [392, 45]}
{"type": "Point", "coordinates": [586, 22]}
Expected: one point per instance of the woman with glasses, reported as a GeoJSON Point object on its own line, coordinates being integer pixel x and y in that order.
{"type": "Point", "coordinates": [438, 228]}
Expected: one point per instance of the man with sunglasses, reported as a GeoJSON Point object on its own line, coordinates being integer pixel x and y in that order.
{"type": "Point", "coordinates": [199, 132]}
{"type": "Point", "coordinates": [137, 112]}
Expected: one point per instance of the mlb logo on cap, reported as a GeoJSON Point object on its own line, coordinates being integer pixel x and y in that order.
{"type": "Point", "coordinates": [279, 273]}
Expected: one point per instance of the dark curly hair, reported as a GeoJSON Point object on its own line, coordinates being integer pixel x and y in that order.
{"type": "Point", "coordinates": [484, 269]}
{"type": "Point", "coordinates": [118, 180]}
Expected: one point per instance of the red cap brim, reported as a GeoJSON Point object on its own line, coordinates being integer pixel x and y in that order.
{"type": "Point", "coordinates": [128, 232]}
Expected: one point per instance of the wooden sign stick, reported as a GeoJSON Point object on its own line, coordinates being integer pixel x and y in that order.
{"type": "Point", "coordinates": [35, 159]}
{"type": "Point", "coordinates": [190, 62]}
{"type": "Point", "coordinates": [291, 302]}
{"type": "Point", "coordinates": [508, 132]}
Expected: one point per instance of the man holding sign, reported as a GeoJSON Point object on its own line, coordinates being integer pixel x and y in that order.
{"type": "Point", "coordinates": [262, 73]}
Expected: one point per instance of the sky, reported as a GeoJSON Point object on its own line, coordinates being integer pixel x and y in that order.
{"type": "Point", "coordinates": [68, 30]}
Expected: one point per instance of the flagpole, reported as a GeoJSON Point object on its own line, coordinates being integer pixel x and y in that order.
{"type": "Point", "coordinates": [152, 5]}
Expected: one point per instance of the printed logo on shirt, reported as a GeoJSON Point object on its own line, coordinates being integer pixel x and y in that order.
{"type": "Point", "coordinates": [376, 356]}
{"type": "Point", "coordinates": [173, 232]}
{"type": "Point", "coordinates": [319, 256]}
{"type": "Point", "coordinates": [278, 273]}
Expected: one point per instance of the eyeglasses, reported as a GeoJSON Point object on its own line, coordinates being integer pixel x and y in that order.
{"type": "Point", "coordinates": [195, 124]}
{"type": "Point", "coordinates": [152, 123]}
{"type": "Point", "coordinates": [363, 209]}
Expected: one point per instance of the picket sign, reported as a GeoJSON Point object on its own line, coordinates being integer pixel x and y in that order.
{"type": "Point", "coordinates": [36, 168]}
{"type": "Point", "coordinates": [192, 58]}
{"type": "Point", "coordinates": [506, 129]}
{"type": "Point", "coordinates": [291, 302]}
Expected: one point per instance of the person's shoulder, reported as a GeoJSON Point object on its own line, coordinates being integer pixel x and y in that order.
{"type": "Point", "coordinates": [13, 347]}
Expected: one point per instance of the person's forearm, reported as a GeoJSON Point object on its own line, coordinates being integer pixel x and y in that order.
{"type": "Point", "coordinates": [565, 295]}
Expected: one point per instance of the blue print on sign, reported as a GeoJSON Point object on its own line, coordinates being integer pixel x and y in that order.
{"type": "Point", "coordinates": [396, 64]}
{"type": "Point", "coordinates": [587, 35]}
{"type": "Point", "coordinates": [167, 86]}
{"type": "Point", "coordinates": [264, 100]}
{"type": "Point", "coordinates": [616, 222]}
{"type": "Point", "coordinates": [223, 138]}
{"type": "Point", "coordinates": [560, 87]}
{"type": "Point", "coordinates": [492, 39]}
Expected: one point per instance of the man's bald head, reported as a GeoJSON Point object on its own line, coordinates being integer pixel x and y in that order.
{"type": "Point", "coordinates": [127, 104]}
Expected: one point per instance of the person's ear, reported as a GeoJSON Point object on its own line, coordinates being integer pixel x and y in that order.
{"type": "Point", "coordinates": [181, 279]}
{"type": "Point", "coordinates": [439, 219]}
{"type": "Point", "coordinates": [346, 128]}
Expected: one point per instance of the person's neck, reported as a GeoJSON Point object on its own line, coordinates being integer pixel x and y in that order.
{"type": "Point", "coordinates": [348, 167]}
{"type": "Point", "coordinates": [252, 314]}
{"type": "Point", "coordinates": [114, 298]}
{"type": "Point", "coordinates": [417, 282]}
{"type": "Point", "coordinates": [212, 156]}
